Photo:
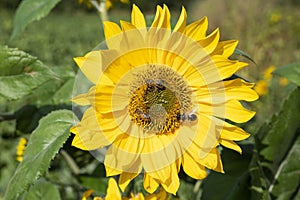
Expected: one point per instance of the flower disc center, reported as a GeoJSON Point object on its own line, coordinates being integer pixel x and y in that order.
{"type": "Point", "coordinates": [158, 97]}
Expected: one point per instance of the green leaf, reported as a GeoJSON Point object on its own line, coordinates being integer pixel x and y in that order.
{"type": "Point", "coordinates": [241, 53]}
{"type": "Point", "coordinates": [97, 184]}
{"type": "Point", "coordinates": [29, 11]}
{"type": "Point", "coordinates": [57, 92]}
{"type": "Point", "coordinates": [291, 72]}
{"type": "Point", "coordinates": [44, 143]}
{"type": "Point", "coordinates": [275, 166]}
{"type": "Point", "coordinates": [42, 190]}
{"type": "Point", "coordinates": [28, 116]}
{"type": "Point", "coordinates": [235, 182]}
{"type": "Point", "coordinates": [21, 74]}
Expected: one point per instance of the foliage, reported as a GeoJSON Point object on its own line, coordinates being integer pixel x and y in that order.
{"type": "Point", "coordinates": [20, 74]}
{"type": "Point", "coordinates": [291, 72]}
{"type": "Point", "coordinates": [29, 11]}
{"type": "Point", "coordinates": [275, 164]}
{"type": "Point", "coordinates": [44, 143]}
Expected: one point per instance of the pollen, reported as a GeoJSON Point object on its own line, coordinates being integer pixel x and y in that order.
{"type": "Point", "coordinates": [158, 95]}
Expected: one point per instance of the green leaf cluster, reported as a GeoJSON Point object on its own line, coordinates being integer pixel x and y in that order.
{"type": "Point", "coordinates": [43, 145]}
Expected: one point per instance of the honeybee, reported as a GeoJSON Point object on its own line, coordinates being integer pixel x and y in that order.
{"type": "Point", "coordinates": [191, 116]}
{"type": "Point", "coordinates": [156, 84]}
{"type": "Point", "coordinates": [142, 114]}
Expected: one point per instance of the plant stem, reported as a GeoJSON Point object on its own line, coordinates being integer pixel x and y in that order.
{"type": "Point", "coordinates": [7, 116]}
{"type": "Point", "coordinates": [101, 8]}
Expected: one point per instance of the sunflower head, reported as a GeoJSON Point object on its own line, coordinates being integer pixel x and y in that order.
{"type": "Point", "coordinates": [159, 99]}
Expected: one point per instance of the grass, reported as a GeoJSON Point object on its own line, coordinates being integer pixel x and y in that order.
{"type": "Point", "coordinates": [57, 38]}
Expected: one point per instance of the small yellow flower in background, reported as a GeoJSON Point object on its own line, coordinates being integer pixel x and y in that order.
{"type": "Point", "coordinates": [275, 17]}
{"type": "Point", "coordinates": [86, 2]}
{"type": "Point", "coordinates": [108, 3]}
{"type": "Point", "coordinates": [20, 149]}
{"type": "Point", "coordinates": [268, 72]}
{"type": "Point", "coordinates": [160, 99]}
{"type": "Point", "coordinates": [87, 194]}
{"type": "Point", "coordinates": [261, 87]}
{"type": "Point", "coordinates": [283, 81]}
{"type": "Point", "coordinates": [113, 193]}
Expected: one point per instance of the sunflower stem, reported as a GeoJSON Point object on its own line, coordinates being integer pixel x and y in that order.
{"type": "Point", "coordinates": [70, 162]}
{"type": "Point", "coordinates": [101, 8]}
{"type": "Point", "coordinates": [7, 116]}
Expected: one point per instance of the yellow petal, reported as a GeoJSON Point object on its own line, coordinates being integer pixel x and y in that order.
{"type": "Point", "coordinates": [160, 174]}
{"type": "Point", "coordinates": [210, 42]}
{"type": "Point", "coordinates": [213, 161]}
{"type": "Point", "coordinates": [181, 23]}
{"type": "Point", "coordinates": [150, 184]}
{"type": "Point", "coordinates": [164, 21]}
{"type": "Point", "coordinates": [240, 90]}
{"type": "Point", "coordinates": [105, 100]}
{"type": "Point", "coordinates": [231, 145]}
{"type": "Point", "coordinates": [225, 48]}
{"type": "Point", "coordinates": [111, 171]}
{"type": "Point", "coordinates": [87, 194]}
{"type": "Point", "coordinates": [111, 29]}
{"type": "Point", "coordinates": [232, 110]}
{"type": "Point", "coordinates": [171, 185]}
{"type": "Point", "coordinates": [161, 195]}
{"type": "Point", "coordinates": [192, 168]}
{"type": "Point", "coordinates": [126, 25]}
{"type": "Point", "coordinates": [85, 99]}
{"type": "Point", "coordinates": [80, 60]}
{"type": "Point", "coordinates": [231, 132]}
{"type": "Point", "coordinates": [125, 179]}
{"type": "Point", "coordinates": [216, 69]}
{"type": "Point", "coordinates": [166, 148]}
{"type": "Point", "coordinates": [137, 17]}
{"type": "Point", "coordinates": [222, 92]}
{"type": "Point", "coordinates": [90, 65]}
{"type": "Point", "coordinates": [112, 33]}
{"type": "Point", "coordinates": [227, 67]}
{"type": "Point", "coordinates": [81, 100]}
{"type": "Point", "coordinates": [89, 135]}
{"type": "Point", "coordinates": [124, 154]}
{"type": "Point", "coordinates": [113, 192]}
{"type": "Point", "coordinates": [237, 113]}
{"type": "Point", "coordinates": [132, 42]}
{"type": "Point", "coordinates": [197, 30]}
{"type": "Point", "coordinates": [162, 18]}
{"type": "Point", "coordinates": [207, 136]}
{"type": "Point", "coordinates": [157, 16]}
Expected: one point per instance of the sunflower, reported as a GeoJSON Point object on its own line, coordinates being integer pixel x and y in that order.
{"type": "Point", "coordinates": [161, 99]}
